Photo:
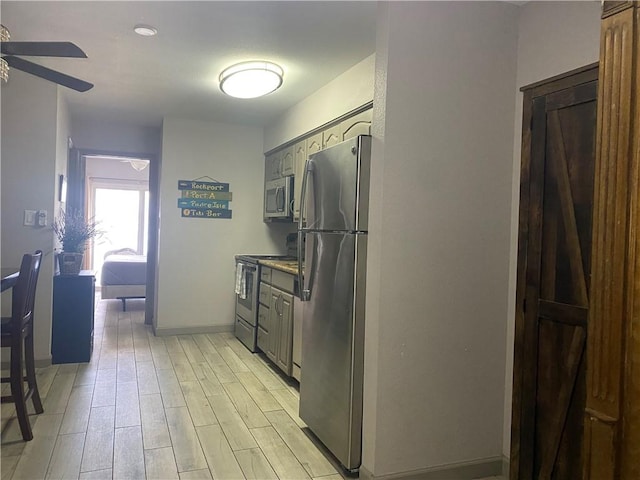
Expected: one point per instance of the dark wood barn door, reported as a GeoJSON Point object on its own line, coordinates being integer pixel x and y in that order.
{"type": "Point", "coordinates": [554, 254]}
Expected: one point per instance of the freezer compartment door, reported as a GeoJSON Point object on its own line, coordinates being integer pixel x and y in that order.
{"type": "Point", "coordinates": [333, 342]}
{"type": "Point", "coordinates": [337, 187]}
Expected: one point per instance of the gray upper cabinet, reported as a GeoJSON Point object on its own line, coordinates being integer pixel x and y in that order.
{"type": "Point", "coordinates": [272, 168]}
{"type": "Point", "coordinates": [287, 162]}
{"type": "Point", "coordinates": [291, 160]}
{"type": "Point", "coordinates": [331, 136]}
{"type": "Point", "coordinates": [359, 124]}
{"type": "Point", "coordinates": [314, 143]}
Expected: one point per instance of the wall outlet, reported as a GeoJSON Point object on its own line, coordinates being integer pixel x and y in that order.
{"type": "Point", "coordinates": [30, 218]}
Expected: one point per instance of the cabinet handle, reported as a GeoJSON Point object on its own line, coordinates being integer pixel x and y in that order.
{"type": "Point", "coordinates": [275, 307]}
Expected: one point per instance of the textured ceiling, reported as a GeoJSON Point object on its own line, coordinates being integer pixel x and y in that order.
{"type": "Point", "coordinates": [141, 80]}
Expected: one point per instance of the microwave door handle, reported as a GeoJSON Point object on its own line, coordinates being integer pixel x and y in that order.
{"type": "Point", "coordinates": [280, 199]}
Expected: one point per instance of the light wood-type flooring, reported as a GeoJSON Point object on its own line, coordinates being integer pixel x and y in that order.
{"type": "Point", "coordinates": [174, 407]}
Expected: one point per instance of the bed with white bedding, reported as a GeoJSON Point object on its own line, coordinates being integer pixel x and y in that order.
{"type": "Point", "coordinates": [124, 275]}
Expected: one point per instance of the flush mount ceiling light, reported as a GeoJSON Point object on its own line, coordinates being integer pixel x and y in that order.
{"type": "Point", "coordinates": [145, 30]}
{"type": "Point", "coordinates": [251, 79]}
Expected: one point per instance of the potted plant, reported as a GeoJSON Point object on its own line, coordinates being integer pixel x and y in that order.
{"type": "Point", "coordinates": [73, 232]}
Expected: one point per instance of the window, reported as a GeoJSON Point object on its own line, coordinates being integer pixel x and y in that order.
{"type": "Point", "coordinates": [122, 209]}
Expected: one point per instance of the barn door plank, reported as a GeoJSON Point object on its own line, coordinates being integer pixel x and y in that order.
{"type": "Point", "coordinates": [561, 175]}
{"type": "Point", "coordinates": [564, 400]}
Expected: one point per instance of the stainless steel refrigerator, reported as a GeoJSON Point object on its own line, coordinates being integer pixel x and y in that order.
{"type": "Point", "coordinates": [333, 227]}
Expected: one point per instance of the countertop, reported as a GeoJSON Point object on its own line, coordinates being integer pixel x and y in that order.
{"type": "Point", "coordinates": [287, 266]}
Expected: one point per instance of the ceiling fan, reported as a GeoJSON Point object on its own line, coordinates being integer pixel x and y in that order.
{"type": "Point", "coordinates": [39, 49]}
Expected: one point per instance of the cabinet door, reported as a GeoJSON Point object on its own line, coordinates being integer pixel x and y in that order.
{"type": "Point", "coordinates": [314, 143]}
{"type": "Point", "coordinates": [287, 162]}
{"type": "Point", "coordinates": [272, 166]}
{"type": "Point", "coordinates": [285, 335]}
{"type": "Point", "coordinates": [300, 158]}
{"type": "Point", "coordinates": [331, 136]}
{"type": "Point", "coordinates": [296, 348]}
{"type": "Point", "coordinates": [359, 124]}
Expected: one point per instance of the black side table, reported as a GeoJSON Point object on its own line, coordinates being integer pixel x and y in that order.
{"type": "Point", "coordinates": [73, 314]}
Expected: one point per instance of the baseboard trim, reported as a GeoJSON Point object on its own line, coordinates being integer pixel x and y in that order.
{"type": "Point", "coordinates": [43, 362]}
{"type": "Point", "coordinates": [161, 332]}
{"type": "Point", "coordinates": [506, 466]}
{"type": "Point", "coordinates": [486, 467]}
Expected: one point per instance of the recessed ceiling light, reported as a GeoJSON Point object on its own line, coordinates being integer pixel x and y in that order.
{"type": "Point", "coordinates": [251, 79]}
{"type": "Point", "coordinates": [145, 30]}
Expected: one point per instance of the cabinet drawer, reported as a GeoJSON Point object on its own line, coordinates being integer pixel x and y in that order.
{"type": "Point", "coordinates": [263, 340]}
{"type": "Point", "coordinates": [282, 280]}
{"type": "Point", "coordinates": [265, 275]}
{"type": "Point", "coordinates": [263, 317]}
{"type": "Point", "coordinates": [264, 296]}
{"type": "Point", "coordinates": [243, 331]}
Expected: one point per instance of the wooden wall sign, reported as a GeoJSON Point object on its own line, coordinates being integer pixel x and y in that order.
{"type": "Point", "coordinates": [205, 213]}
{"type": "Point", "coordinates": [203, 186]}
{"type": "Point", "coordinates": [206, 195]}
{"type": "Point", "coordinates": [201, 199]}
{"type": "Point", "coordinates": [193, 203]}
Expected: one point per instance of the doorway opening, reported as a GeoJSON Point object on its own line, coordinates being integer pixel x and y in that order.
{"type": "Point", "coordinates": [118, 199]}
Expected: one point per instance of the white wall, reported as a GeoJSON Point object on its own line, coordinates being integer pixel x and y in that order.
{"type": "Point", "coordinates": [553, 38]}
{"type": "Point", "coordinates": [29, 165]}
{"type": "Point", "coordinates": [119, 137]}
{"type": "Point", "coordinates": [196, 272]}
{"type": "Point", "coordinates": [100, 167]}
{"type": "Point", "coordinates": [439, 235]}
{"type": "Point", "coordinates": [346, 92]}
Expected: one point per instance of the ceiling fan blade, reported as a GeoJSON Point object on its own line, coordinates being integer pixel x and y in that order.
{"type": "Point", "coordinates": [48, 74]}
{"type": "Point", "coordinates": [42, 49]}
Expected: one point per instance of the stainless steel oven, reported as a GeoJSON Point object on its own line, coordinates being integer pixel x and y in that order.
{"type": "Point", "coordinates": [246, 324]}
{"type": "Point", "coordinates": [247, 307]}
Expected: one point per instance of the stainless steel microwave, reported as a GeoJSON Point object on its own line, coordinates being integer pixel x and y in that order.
{"type": "Point", "coordinates": [278, 198]}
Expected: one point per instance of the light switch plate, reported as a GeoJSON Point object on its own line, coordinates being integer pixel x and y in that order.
{"type": "Point", "coordinates": [30, 218]}
{"type": "Point", "coordinates": [41, 216]}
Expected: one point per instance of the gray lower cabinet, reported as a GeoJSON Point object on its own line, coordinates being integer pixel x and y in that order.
{"type": "Point", "coordinates": [275, 321]}
{"type": "Point", "coordinates": [282, 325]}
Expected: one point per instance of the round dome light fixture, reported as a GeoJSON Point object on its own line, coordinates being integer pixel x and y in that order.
{"type": "Point", "coordinates": [251, 79]}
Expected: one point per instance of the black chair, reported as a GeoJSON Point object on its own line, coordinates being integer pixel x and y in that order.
{"type": "Point", "coordinates": [17, 334]}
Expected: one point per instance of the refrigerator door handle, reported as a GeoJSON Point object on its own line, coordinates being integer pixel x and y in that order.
{"type": "Point", "coordinates": [301, 291]}
{"type": "Point", "coordinates": [308, 169]}
{"type": "Point", "coordinates": [305, 294]}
